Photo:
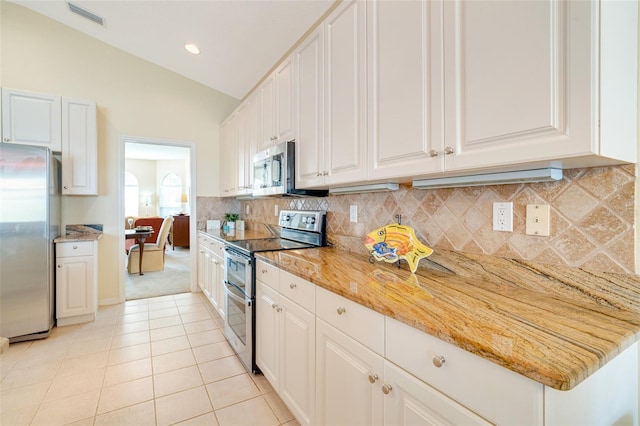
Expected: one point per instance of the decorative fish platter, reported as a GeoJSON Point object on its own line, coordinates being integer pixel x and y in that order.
{"type": "Point", "coordinates": [393, 242]}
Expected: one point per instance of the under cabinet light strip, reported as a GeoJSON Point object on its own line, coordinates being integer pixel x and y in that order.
{"type": "Point", "coordinates": [536, 175]}
{"type": "Point", "coordinates": [375, 187]}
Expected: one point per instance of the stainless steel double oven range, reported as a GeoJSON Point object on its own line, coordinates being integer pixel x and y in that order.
{"type": "Point", "coordinates": [298, 230]}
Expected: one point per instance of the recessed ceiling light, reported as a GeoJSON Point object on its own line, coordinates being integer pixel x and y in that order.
{"type": "Point", "coordinates": [192, 48]}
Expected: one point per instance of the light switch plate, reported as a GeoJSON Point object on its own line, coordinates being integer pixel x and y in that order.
{"type": "Point", "coordinates": [353, 213]}
{"type": "Point", "coordinates": [503, 217]}
{"type": "Point", "coordinates": [538, 220]}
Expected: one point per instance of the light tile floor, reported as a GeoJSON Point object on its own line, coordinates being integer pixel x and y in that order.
{"type": "Point", "coordinates": [157, 361]}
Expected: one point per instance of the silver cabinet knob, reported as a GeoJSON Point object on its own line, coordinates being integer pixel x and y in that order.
{"type": "Point", "coordinates": [274, 306]}
{"type": "Point", "coordinates": [278, 309]}
{"type": "Point", "coordinates": [448, 150]}
{"type": "Point", "coordinates": [386, 389]}
{"type": "Point", "coordinates": [264, 271]}
{"type": "Point", "coordinates": [292, 286]}
{"type": "Point", "coordinates": [59, 266]}
{"type": "Point", "coordinates": [7, 139]}
{"type": "Point", "coordinates": [341, 310]}
{"type": "Point", "coordinates": [325, 173]}
{"type": "Point", "coordinates": [373, 378]}
{"type": "Point", "coordinates": [438, 360]}
{"type": "Point", "coordinates": [433, 153]}
{"type": "Point", "coordinates": [66, 187]}
{"type": "Point", "coordinates": [75, 247]}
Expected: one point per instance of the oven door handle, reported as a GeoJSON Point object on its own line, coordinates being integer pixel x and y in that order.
{"type": "Point", "coordinates": [234, 296]}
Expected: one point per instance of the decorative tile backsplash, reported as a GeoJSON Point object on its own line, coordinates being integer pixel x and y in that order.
{"type": "Point", "coordinates": [592, 217]}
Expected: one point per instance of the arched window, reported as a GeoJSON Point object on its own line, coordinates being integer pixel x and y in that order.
{"type": "Point", "coordinates": [170, 191]}
{"type": "Point", "coordinates": [131, 191]}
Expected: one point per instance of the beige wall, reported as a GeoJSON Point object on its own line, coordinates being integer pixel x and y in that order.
{"type": "Point", "coordinates": [145, 171]}
{"type": "Point", "coordinates": [134, 98]}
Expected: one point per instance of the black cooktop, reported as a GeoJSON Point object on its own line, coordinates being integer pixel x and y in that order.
{"type": "Point", "coordinates": [269, 244]}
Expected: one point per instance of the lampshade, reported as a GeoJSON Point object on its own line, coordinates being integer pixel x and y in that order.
{"type": "Point", "coordinates": [183, 198]}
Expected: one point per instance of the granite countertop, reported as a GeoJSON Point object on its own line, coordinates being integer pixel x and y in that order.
{"type": "Point", "coordinates": [554, 325]}
{"type": "Point", "coordinates": [68, 238]}
{"type": "Point", "coordinates": [247, 234]}
{"type": "Point", "coordinates": [80, 232]}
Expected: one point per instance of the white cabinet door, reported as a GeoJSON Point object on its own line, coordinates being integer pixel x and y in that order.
{"type": "Point", "coordinates": [404, 53]}
{"type": "Point", "coordinates": [345, 134]}
{"type": "Point", "coordinates": [202, 267]}
{"type": "Point", "coordinates": [297, 360]}
{"type": "Point", "coordinates": [79, 147]}
{"type": "Point", "coordinates": [31, 119]}
{"type": "Point", "coordinates": [267, 333]}
{"type": "Point", "coordinates": [344, 394]}
{"type": "Point", "coordinates": [309, 111]}
{"type": "Point", "coordinates": [74, 284]}
{"type": "Point", "coordinates": [251, 141]}
{"type": "Point", "coordinates": [411, 402]}
{"type": "Point", "coordinates": [228, 156]}
{"type": "Point", "coordinates": [242, 153]}
{"type": "Point", "coordinates": [213, 280]}
{"type": "Point", "coordinates": [284, 100]}
{"type": "Point", "coordinates": [267, 113]}
{"type": "Point", "coordinates": [517, 82]}
{"type": "Point", "coordinates": [220, 289]}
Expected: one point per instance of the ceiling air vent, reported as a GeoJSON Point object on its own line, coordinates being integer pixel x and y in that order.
{"type": "Point", "coordinates": [86, 14]}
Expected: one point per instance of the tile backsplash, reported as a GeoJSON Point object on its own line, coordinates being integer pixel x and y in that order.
{"type": "Point", "coordinates": [592, 217]}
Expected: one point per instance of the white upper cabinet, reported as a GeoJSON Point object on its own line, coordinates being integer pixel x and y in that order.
{"type": "Point", "coordinates": [345, 77]}
{"type": "Point", "coordinates": [242, 145]}
{"type": "Point", "coordinates": [31, 119]}
{"type": "Point", "coordinates": [267, 124]}
{"type": "Point", "coordinates": [276, 106]}
{"type": "Point", "coordinates": [523, 82]}
{"type": "Point", "coordinates": [331, 139]}
{"type": "Point", "coordinates": [284, 100]}
{"type": "Point", "coordinates": [228, 156]}
{"type": "Point", "coordinates": [404, 53]}
{"type": "Point", "coordinates": [309, 111]}
{"type": "Point", "coordinates": [79, 147]}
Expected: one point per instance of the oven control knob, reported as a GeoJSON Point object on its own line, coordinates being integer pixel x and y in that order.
{"type": "Point", "coordinates": [286, 218]}
{"type": "Point", "coordinates": [304, 219]}
{"type": "Point", "coordinates": [312, 220]}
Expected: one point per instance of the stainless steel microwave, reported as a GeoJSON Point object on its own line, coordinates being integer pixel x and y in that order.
{"type": "Point", "coordinates": [274, 173]}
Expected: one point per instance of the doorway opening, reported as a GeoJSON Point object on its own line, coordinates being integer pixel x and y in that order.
{"type": "Point", "coordinates": [158, 181]}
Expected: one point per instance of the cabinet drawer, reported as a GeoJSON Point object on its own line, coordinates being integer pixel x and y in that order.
{"type": "Point", "coordinates": [497, 394]}
{"type": "Point", "coordinates": [76, 248]}
{"type": "Point", "coordinates": [363, 324]}
{"type": "Point", "coordinates": [216, 247]}
{"type": "Point", "coordinates": [299, 290]}
{"type": "Point", "coordinates": [268, 274]}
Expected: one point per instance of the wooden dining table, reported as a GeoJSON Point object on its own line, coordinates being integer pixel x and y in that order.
{"type": "Point", "coordinates": [140, 237]}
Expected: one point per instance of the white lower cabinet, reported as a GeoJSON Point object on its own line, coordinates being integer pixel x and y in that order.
{"type": "Point", "coordinates": [285, 350]}
{"type": "Point", "coordinates": [348, 388]}
{"type": "Point", "coordinates": [211, 271]}
{"type": "Point", "coordinates": [76, 282]}
{"type": "Point", "coordinates": [341, 363]}
{"type": "Point", "coordinates": [409, 401]}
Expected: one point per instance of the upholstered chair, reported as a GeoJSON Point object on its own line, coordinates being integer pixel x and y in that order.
{"type": "Point", "coordinates": [153, 257]}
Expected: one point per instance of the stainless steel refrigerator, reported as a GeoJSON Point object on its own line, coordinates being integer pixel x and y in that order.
{"type": "Point", "coordinates": [29, 222]}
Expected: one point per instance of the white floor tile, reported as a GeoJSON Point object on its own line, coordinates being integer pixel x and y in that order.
{"type": "Point", "coordinates": [129, 353]}
{"type": "Point", "coordinates": [127, 371]}
{"type": "Point", "coordinates": [65, 386]}
{"type": "Point", "coordinates": [255, 411]}
{"type": "Point", "coordinates": [176, 381]}
{"type": "Point", "coordinates": [125, 394]}
{"type": "Point", "coordinates": [219, 369]}
{"type": "Point", "coordinates": [67, 410]}
{"type": "Point", "coordinates": [172, 361]}
{"type": "Point", "coordinates": [232, 391]}
{"type": "Point", "coordinates": [134, 415]}
{"type": "Point", "coordinates": [167, 332]}
{"type": "Point", "coordinates": [181, 406]}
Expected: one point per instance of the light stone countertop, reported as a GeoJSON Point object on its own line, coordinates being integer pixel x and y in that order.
{"type": "Point", "coordinates": [69, 238]}
{"type": "Point", "coordinates": [554, 325]}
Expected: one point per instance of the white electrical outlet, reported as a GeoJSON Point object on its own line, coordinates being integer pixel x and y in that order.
{"type": "Point", "coordinates": [353, 213]}
{"type": "Point", "coordinates": [275, 210]}
{"type": "Point", "coordinates": [503, 217]}
{"type": "Point", "coordinates": [537, 222]}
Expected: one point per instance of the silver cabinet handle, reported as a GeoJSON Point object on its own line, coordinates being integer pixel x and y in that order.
{"type": "Point", "coordinates": [7, 139]}
{"type": "Point", "coordinates": [341, 310]}
{"type": "Point", "coordinates": [438, 360]}
{"type": "Point", "coordinates": [274, 306]}
{"type": "Point", "coordinates": [325, 173]}
{"type": "Point", "coordinates": [448, 150]}
{"type": "Point", "coordinates": [292, 286]}
{"type": "Point", "coordinates": [264, 271]}
{"type": "Point", "coordinates": [386, 389]}
{"type": "Point", "coordinates": [373, 378]}
{"type": "Point", "coordinates": [278, 309]}
{"type": "Point", "coordinates": [433, 153]}
{"type": "Point", "coordinates": [66, 187]}
{"type": "Point", "coordinates": [75, 247]}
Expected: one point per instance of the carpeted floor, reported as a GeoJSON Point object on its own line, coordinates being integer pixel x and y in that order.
{"type": "Point", "coordinates": [173, 280]}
